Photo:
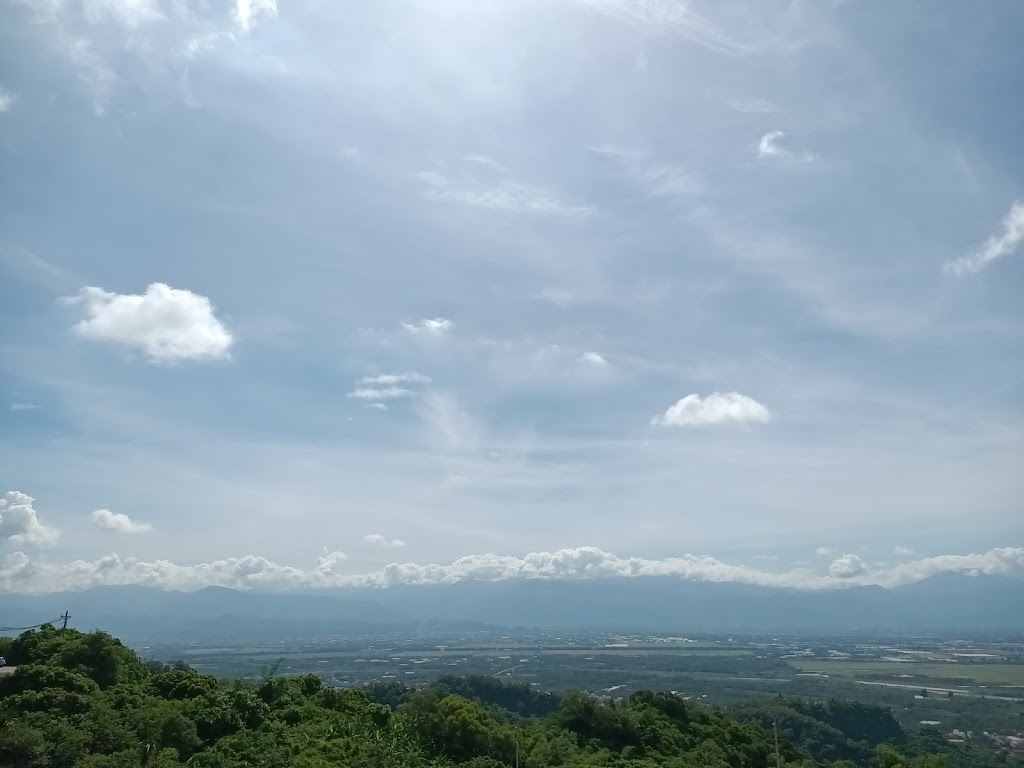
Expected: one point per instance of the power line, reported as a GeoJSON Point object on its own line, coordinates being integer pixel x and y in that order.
{"type": "Point", "coordinates": [34, 626]}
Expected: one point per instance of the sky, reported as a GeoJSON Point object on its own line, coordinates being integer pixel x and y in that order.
{"type": "Point", "coordinates": [304, 294]}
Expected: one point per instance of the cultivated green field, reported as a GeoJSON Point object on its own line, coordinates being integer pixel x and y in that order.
{"type": "Point", "coordinates": [894, 671]}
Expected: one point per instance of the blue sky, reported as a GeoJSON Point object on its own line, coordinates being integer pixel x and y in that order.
{"type": "Point", "coordinates": [730, 290]}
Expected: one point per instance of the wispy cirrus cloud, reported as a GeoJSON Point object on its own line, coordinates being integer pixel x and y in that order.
{"type": "Point", "coordinates": [996, 246]}
{"type": "Point", "coordinates": [390, 379]}
{"type": "Point", "coordinates": [94, 36]}
{"type": "Point", "coordinates": [716, 408]}
{"type": "Point", "coordinates": [7, 100]}
{"type": "Point", "coordinates": [755, 106]}
{"type": "Point", "coordinates": [671, 16]}
{"type": "Point", "coordinates": [505, 195]}
{"type": "Point", "coordinates": [379, 393]}
{"type": "Point", "coordinates": [380, 388]}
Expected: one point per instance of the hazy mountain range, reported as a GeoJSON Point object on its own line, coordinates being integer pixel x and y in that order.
{"type": "Point", "coordinates": [949, 602]}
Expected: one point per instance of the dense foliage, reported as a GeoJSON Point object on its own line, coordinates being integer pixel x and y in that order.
{"type": "Point", "coordinates": [85, 700]}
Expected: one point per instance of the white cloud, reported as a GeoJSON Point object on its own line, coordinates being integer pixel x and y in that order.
{"type": "Point", "coordinates": [847, 566]}
{"type": "Point", "coordinates": [20, 524]}
{"type": "Point", "coordinates": [507, 195]}
{"type": "Point", "coordinates": [902, 551]}
{"type": "Point", "coordinates": [996, 246]}
{"type": "Point", "coordinates": [449, 426]}
{"type": "Point", "coordinates": [24, 406]}
{"type": "Point", "coordinates": [329, 566]}
{"type": "Point", "coordinates": [767, 146]}
{"type": "Point", "coordinates": [823, 551]}
{"type": "Point", "coordinates": [7, 100]}
{"type": "Point", "coordinates": [382, 541]}
{"type": "Point", "coordinates": [716, 408]}
{"type": "Point", "coordinates": [593, 358]}
{"type": "Point", "coordinates": [117, 522]}
{"type": "Point", "coordinates": [676, 16]}
{"type": "Point", "coordinates": [384, 386]}
{"type": "Point", "coordinates": [430, 326]}
{"type": "Point", "coordinates": [378, 406]}
{"type": "Point", "coordinates": [19, 573]}
{"type": "Point", "coordinates": [383, 393]}
{"type": "Point", "coordinates": [95, 36]}
{"type": "Point", "coordinates": [389, 379]}
{"type": "Point", "coordinates": [130, 13]}
{"type": "Point", "coordinates": [485, 162]}
{"type": "Point", "coordinates": [247, 10]}
{"type": "Point", "coordinates": [751, 105]}
{"type": "Point", "coordinates": [167, 324]}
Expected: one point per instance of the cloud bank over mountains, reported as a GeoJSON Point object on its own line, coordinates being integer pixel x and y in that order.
{"type": "Point", "coordinates": [19, 573]}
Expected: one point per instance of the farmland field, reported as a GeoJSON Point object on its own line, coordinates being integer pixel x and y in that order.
{"type": "Point", "coordinates": [717, 670]}
{"type": "Point", "coordinates": [964, 674]}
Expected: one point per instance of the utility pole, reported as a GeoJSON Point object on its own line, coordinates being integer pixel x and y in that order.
{"type": "Point", "coordinates": [778, 757]}
{"type": "Point", "coordinates": [66, 616]}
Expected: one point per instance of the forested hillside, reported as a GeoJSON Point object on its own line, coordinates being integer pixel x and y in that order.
{"type": "Point", "coordinates": [86, 700]}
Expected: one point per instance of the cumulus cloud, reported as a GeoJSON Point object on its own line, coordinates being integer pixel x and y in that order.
{"type": "Point", "coordinates": [6, 100]}
{"type": "Point", "coordinates": [902, 551]}
{"type": "Point", "coordinates": [847, 566]}
{"type": "Point", "coordinates": [19, 573]}
{"type": "Point", "coordinates": [823, 551]}
{"type": "Point", "coordinates": [716, 408]}
{"type": "Point", "coordinates": [996, 246]}
{"type": "Point", "coordinates": [593, 358]}
{"type": "Point", "coordinates": [328, 566]}
{"type": "Point", "coordinates": [167, 324]}
{"type": "Point", "coordinates": [117, 522]}
{"type": "Point", "coordinates": [430, 326]}
{"type": "Point", "coordinates": [20, 523]}
{"type": "Point", "coordinates": [383, 541]}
